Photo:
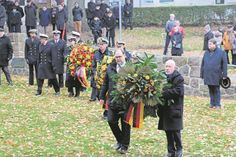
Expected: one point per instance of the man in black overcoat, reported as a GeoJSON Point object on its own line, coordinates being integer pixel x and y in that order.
{"type": "Point", "coordinates": [46, 65]}
{"type": "Point", "coordinates": [32, 54]}
{"type": "Point", "coordinates": [110, 23]}
{"type": "Point", "coordinates": [171, 112]}
{"type": "Point", "coordinates": [6, 52]}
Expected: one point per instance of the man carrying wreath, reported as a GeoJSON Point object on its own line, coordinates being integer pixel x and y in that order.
{"type": "Point", "coordinates": [115, 110]}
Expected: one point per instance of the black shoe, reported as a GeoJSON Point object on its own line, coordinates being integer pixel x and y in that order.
{"type": "Point", "coordinates": [179, 153]}
{"type": "Point", "coordinates": [123, 150]}
{"type": "Point", "coordinates": [57, 94]}
{"type": "Point", "coordinates": [10, 84]}
{"type": "Point", "coordinates": [92, 99]}
{"type": "Point", "coordinates": [61, 85]}
{"type": "Point", "coordinates": [70, 94]}
{"type": "Point", "coordinates": [117, 146]}
{"type": "Point", "coordinates": [38, 93]}
{"type": "Point", "coordinates": [77, 95]}
{"type": "Point", "coordinates": [169, 155]}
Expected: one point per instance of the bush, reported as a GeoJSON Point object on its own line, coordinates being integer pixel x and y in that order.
{"type": "Point", "coordinates": [193, 15]}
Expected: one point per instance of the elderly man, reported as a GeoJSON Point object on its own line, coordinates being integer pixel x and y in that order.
{"type": "Point", "coordinates": [169, 25]}
{"type": "Point", "coordinates": [116, 111]}
{"type": "Point", "coordinates": [213, 69]}
{"type": "Point", "coordinates": [171, 113]}
{"type": "Point", "coordinates": [6, 52]}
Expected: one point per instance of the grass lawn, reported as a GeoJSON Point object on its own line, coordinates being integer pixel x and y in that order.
{"type": "Point", "coordinates": [62, 126]}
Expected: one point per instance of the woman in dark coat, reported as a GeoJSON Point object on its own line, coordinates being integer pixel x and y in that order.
{"type": "Point", "coordinates": [213, 69]}
{"type": "Point", "coordinates": [171, 113]}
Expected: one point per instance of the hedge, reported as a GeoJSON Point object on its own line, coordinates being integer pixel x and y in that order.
{"type": "Point", "coordinates": [193, 15]}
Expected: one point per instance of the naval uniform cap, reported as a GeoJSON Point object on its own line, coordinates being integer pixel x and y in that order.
{"type": "Point", "coordinates": [33, 31]}
{"type": "Point", "coordinates": [43, 35]}
{"type": "Point", "coordinates": [56, 32]}
{"type": "Point", "coordinates": [102, 40]}
{"type": "Point", "coordinates": [74, 33]}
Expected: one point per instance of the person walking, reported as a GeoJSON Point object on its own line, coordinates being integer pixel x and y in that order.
{"type": "Point", "coordinates": [213, 69]}
{"type": "Point", "coordinates": [171, 112]}
{"type": "Point", "coordinates": [32, 54]}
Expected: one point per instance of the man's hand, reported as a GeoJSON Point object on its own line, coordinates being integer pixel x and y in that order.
{"type": "Point", "coordinates": [101, 101]}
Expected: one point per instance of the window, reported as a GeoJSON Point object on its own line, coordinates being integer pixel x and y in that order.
{"type": "Point", "coordinates": [220, 1]}
{"type": "Point", "coordinates": [161, 1]}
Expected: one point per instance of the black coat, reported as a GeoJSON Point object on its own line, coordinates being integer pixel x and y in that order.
{"type": "Point", "coordinates": [214, 66]}
{"type": "Point", "coordinates": [15, 18]}
{"type": "Point", "coordinates": [46, 62]}
{"type": "Point", "coordinates": [109, 86]}
{"type": "Point", "coordinates": [96, 26]}
{"type": "Point", "coordinates": [30, 15]}
{"type": "Point", "coordinates": [59, 50]}
{"type": "Point", "coordinates": [177, 43]}
{"type": "Point", "coordinates": [32, 50]}
{"type": "Point", "coordinates": [90, 10]}
{"type": "Point", "coordinates": [171, 114]}
{"type": "Point", "coordinates": [6, 50]}
{"type": "Point", "coordinates": [207, 37]}
{"type": "Point", "coordinates": [128, 10]}
{"type": "Point", "coordinates": [110, 23]}
{"type": "Point", "coordinates": [61, 19]}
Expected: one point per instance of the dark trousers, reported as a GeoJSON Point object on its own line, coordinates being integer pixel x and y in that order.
{"type": "Point", "coordinates": [122, 134]}
{"type": "Point", "coordinates": [53, 27]}
{"type": "Point", "coordinates": [54, 84]}
{"type": "Point", "coordinates": [111, 39]}
{"type": "Point", "coordinates": [63, 38]}
{"type": "Point", "coordinates": [174, 142]}
{"type": "Point", "coordinates": [214, 92]}
{"type": "Point", "coordinates": [233, 58]}
{"type": "Point", "coordinates": [7, 74]}
{"type": "Point", "coordinates": [227, 55]}
{"type": "Point", "coordinates": [60, 80]}
{"type": "Point", "coordinates": [32, 68]}
{"type": "Point", "coordinates": [168, 38]}
{"type": "Point", "coordinates": [15, 28]}
{"type": "Point", "coordinates": [128, 22]}
{"type": "Point", "coordinates": [28, 28]}
{"type": "Point", "coordinates": [73, 82]}
{"type": "Point", "coordinates": [94, 93]}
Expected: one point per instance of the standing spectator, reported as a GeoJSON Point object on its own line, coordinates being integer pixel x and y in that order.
{"type": "Point", "coordinates": [77, 17]}
{"type": "Point", "coordinates": [61, 21]}
{"type": "Point", "coordinates": [115, 111]}
{"type": "Point", "coordinates": [110, 23]}
{"type": "Point", "coordinates": [15, 20]}
{"type": "Point", "coordinates": [46, 66]}
{"type": "Point", "coordinates": [103, 7]}
{"type": "Point", "coordinates": [98, 12]}
{"type": "Point", "coordinates": [177, 34]}
{"type": "Point", "coordinates": [169, 25]}
{"type": "Point", "coordinates": [32, 54]}
{"type": "Point", "coordinates": [227, 41]}
{"type": "Point", "coordinates": [8, 6]}
{"type": "Point", "coordinates": [90, 11]}
{"type": "Point", "coordinates": [121, 45]}
{"type": "Point", "coordinates": [44, 18]}
{"type": "Point", "coordinates": [5, 55]}
{"type": "Point", "coordinates": [213, 69]}
{"type": "Point", "coordinates": [218, 38]}
{"type": "Point", "coordinates": [18, 8]}
{"type": "Point", "coordinates": [30, 16]}
{"type": "Point", "coordinates": [234, 47]}
{"type": "Point", "coordinates": [2, 16]}
{"type": "Point", "coordinates": [171, 113]}
{"type": "Point", "coordinates": [128, 14]}
{"type": "Point", "coordinates": [207, 36]}
{"type": "Point", "coordinates": [96, 27]}
{"type": "Point", "coordinates": [54, 11]}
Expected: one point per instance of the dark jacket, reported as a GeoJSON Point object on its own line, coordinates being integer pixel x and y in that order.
{"type": "Point", "coordinates": [6, 50]}
{"type": "Point", "coordinates": [53, 15]}
{"type": "Point", "coordinates": [128, 10]}
{"type": "Point", "coordinates": [44, 17]}
{"type": "Point", "coordinates": [109, 86]}
{"type": "Point", "coordinates": [214, 66]}
{"type": "Point", "coordinates": [15, 18]}
{"type": "Point", "coordinates": [98, 13]}
{"type": "Point", "coordinates": [59, 50]}
{"type": "Point", "coordinates": [32, 50]}
{"type": "Point", "coordinates": [90, 10]}
{"type": "Point", "coordinates": [61, 19]}
{"type": "Point", "coordinates": [103, 8]}
{"type": "Point", "coordinates": [30, 15]}
{"type": "Point", "coordinates": [177, 43]}
{"type": "Point", "coordinates": [46, 62]}
{"type": "Point", "coordinates": [77, 14]}
{"type": "Point", "coordinates": [18, 8]}
{"type": "Point", "coordinates": [171, 113]}
{"type": "Point", "coordinates": [110, 23]}
{"type": "Point", "coordinates": [2, 15]}
{"type": "Point", "coordinates": [207, 37]}
{"type": "Point", "coordinates": [96, 27]}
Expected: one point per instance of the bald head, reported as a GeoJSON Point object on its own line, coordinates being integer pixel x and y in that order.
{"type": "Point", "coordinates": [170, 66]}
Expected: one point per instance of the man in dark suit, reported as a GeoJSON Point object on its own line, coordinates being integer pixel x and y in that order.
{"type": "Point", "coordinates": [213, 69]}
{"type": "Point", "coordinates": [46, 65]}
{"type": "Point", "coordinates": [60, 50]}
{"type": "Point", "coordinates": [171, 112]}
{"type": "Point", "coordinates": [6, 52]}
{"type": "Point", "coordinates": [116, 111]}
{"type": "Point", "coordinates": [32, 54]}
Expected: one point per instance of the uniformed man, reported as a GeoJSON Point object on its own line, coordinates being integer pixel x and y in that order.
{"type": "Point", "coordinates": [98, 56]}
{"type": "Point", "coordinates": [6, 52]}
{"type": "Point", "coordinates": [46, 65]}
{"type": "Point", "coordinates": [31, 54]}
{"type": "Point", "coordinates": [60, 50]}
{"type": "Point", "coordinates": [121, 44]}
{"type": "Point", "coordinates": [77, 36]}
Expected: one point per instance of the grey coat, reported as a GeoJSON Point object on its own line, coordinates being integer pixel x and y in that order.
{"type": "Point", "coordinates": [214, 67]}
{"type": "Point", "coordinates": [61, 19]}
{"type": "Point", "coordinates": [30, 16]}
{"type": "Point", "coordinates": [2, 16]}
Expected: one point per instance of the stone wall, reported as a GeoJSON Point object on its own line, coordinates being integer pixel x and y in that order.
{"type": "Point", "coordinates": [189, 67]}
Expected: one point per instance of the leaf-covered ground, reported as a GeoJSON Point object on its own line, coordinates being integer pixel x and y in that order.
{"type": "Point", "coordinates": [62, 126]}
